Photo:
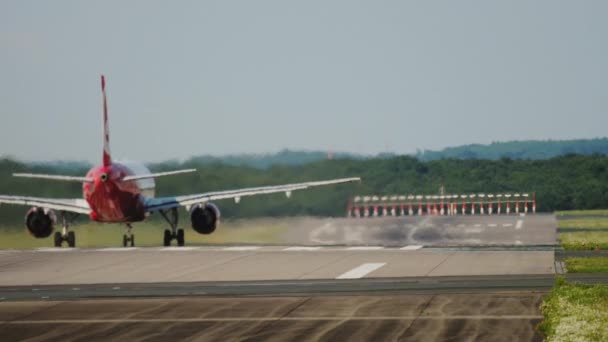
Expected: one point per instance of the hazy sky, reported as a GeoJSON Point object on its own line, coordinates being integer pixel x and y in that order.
{"type": "Point", "coordinates": [215, 77]}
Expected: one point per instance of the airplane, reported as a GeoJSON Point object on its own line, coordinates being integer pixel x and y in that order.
{"type": "Point", "coordinates": [123, 193]}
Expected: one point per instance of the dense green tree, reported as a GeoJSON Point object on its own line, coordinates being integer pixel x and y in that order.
{"type": "Point", "coordinates": [567, 182]}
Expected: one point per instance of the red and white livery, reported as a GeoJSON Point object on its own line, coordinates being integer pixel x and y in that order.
{"type": "Point", "coordinates": [124, 193]}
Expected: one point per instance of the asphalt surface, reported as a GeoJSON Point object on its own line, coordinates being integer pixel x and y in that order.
{"type": "Point", "coordinates": [439, 231]}
{"type": "Point", "coordinates": [246, 263]}
{"type": "Point", "coordinates": [421, 317]}
{"type": "Point", "coordinates": [407, 278]}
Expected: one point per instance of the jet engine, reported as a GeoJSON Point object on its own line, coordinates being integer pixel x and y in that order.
{"type": "Point", "coordinates": [40, 223]}
{"type": "Point", "coordinates": [205, 218]}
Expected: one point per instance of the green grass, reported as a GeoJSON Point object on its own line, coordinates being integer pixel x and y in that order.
{"type": "Point", "coordinates": [253, 231]}
{"type": "Point", "coordinates": [575, 312]}
{"type": "Point", "coordinates": [583, 241]}
{"type": "Point", "coordinates": [587, 265]}
{"type": "Point", "coordinates": [597, 212]}
{"type": "Point", "coordinates": [595, 223]}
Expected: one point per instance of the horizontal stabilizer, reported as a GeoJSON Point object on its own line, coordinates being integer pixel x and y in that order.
{"type": "Point", "coordinates": [159, 174]}
{"type": "Point", "coordinates": [54, 177]}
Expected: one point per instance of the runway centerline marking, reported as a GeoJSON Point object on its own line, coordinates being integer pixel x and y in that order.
{"type": "Point", "coordinates": [241, 248]}
{"type": "Point", "coordinates": [361, 271]}
{"type": "Point", "coordinates": [411, 248]}
{"type": "Point", "coordinates": [492, 225]}
{"type": "Point", "coordinates": [364, 248]}
{"type": "Point", "coordinates": [507, 225]}
{"type": "Point", "coordinates": [520, 224]}
{"type": "Point", "coordinates": [301, 248]}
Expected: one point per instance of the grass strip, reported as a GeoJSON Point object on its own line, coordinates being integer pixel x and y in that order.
{"type": "Point", "coordinates": [259, 231]}
{"type": "Point", "coordinates": [587, 265]}
{"type": "Point", "coordinates": [588, 223]}
{"type": "Point", "coordinates": [575, 312]}
{"type": "Point", "coordinates": [584, 241]}
{"type": "Point", "coordinates": [596, 212]}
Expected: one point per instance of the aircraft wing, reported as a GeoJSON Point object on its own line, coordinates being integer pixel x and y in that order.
{"type": "Point", "coordinates": [74, 205]}
{"type": "Point", "coordinates": [162, 203]}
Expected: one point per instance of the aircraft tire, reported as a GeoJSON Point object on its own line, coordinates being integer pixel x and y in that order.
{"type": "Point", "coordinates": [57, 239]}
{"type": "Point", "coordinates": [71, 239]}
{"type": "Point", "coordinates": [167, 238]}
{"type": "Point", "coordinates": [124, 240]}
{"type": "Point", "coordinates": [180, 237]}
{"type": "Point", "coordinates": [132, 240]}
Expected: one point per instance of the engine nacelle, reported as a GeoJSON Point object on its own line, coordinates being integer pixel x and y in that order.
{"type": "Point", "coordinates": [205, 218]}
{"type": "Point", "coordinates": [40, 223]}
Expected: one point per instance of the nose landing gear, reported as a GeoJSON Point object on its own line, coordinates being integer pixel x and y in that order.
{"type": "Point", "coordinates": [129, 237]}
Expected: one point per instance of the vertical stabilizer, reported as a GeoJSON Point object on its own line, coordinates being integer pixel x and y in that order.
{"type": "Point", "coordinates": [107, 158]}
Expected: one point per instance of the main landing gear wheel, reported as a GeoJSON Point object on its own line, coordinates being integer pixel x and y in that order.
{"type": "Point", "coordinates": [180, 237]}
{"type": "Point", "coordinates": [58, 239]}
{"type": "Point", "coordinates": [65, 235]}
{"type": "Point", "coordinates": [71, 239]}
{"type": "Point", "coordinates": [167, 238]}
{"type": "Point", "coordinates": [173, 233]}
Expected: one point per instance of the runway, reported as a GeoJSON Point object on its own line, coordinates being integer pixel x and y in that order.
{"type": "Point", "coordinates": [496, 316]}
{"type": "Point", "coordinates": [437, 231]}
{"type": "Point", "coordinates": [247, 263]}
{"type": "Point", "coordinates": [412, 278]}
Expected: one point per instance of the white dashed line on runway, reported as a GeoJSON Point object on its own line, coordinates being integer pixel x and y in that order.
{"type": "Point", "coordinates": [117, 249]}
{"type": "Point", "coordinates": [301, 248]}
{"type": "Point", "coordinates": [241, 248]}
{"type": "Point", "coordinates": [173, 249]}
{"type": "Point", "coordinates": [55, 249]}
{"type": "Point", "coordinates": [507, 225]}
{"type": "Point", "coordinates": [519, 224]}
{"type": "Point", "coordinates": [364, 248]}
{"type": "Point", "coordinates": [411, 248]}
{"type": "Point", "coordinates": [361, 271]}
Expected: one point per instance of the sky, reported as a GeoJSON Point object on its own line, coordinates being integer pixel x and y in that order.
{"type": "Point", "coordinates": [188, 78]}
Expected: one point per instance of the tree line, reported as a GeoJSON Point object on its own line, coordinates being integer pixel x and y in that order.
{"type": "Point", "coordinates": [561, 183]}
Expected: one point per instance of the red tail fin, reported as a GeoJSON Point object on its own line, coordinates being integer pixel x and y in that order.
{"type": "Point", "coordinates": [107, 158]}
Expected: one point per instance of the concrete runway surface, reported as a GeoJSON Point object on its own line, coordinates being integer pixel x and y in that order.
{"type": "Point", "coordinates": [361, 273]}
{"type": "Point", "coordinates": [245, 263]}
{"type": "Point", "coordinates": [503, 316]}
{"type": "Point", "coordinates": [438, 231]}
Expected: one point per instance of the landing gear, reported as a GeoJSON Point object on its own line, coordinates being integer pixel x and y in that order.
{"type": "Point", "coordinates": [66, 235]}
{"type": "Point", "coordinates": [129, 237]}
{"type": "Point", "coordinates": [169, 235]}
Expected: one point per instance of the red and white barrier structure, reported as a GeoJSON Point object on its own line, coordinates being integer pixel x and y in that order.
{"type": "Point", "coordinates": [442, 205]}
